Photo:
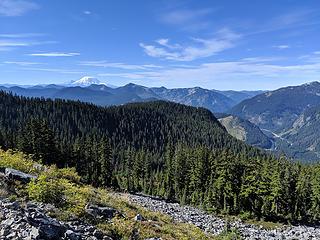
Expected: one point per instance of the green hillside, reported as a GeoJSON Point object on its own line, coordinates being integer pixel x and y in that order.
{"type": "Point", "coordinates": [164, 149]}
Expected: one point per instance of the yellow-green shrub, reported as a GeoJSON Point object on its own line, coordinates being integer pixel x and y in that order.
{"type": "Point", "coordinates": [61, 187]}
{"type": "Point", "coordinates": [77, 198]}
{"type": "Point", "coordinates": [69, 174]}
{"type": "Point", "coordinates": [17, 160]}
{"type": "Point", "coordinates": [46, 190]}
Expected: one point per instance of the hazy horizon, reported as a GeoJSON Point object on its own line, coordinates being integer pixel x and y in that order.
{"type": "Point", "coordinates": [116, 86]}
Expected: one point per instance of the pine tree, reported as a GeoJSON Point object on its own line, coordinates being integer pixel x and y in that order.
{"type": "Point", "coordinates": [38, 139]}
{"type": "Point", "coordinates": [105, 162]}
{"type": "Point", "coordinates": [169, 173]}
{"type": "Point", "coordinates": [315, 188]}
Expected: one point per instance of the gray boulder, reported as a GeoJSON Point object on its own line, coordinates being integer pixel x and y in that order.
{"type": "Point", "coordinates": [16, 175]}
{"type": "Point", "coordinates": [49, 229]}
{"type": "Point", "coordinates": [71, 235]}
{"type": "Point", "coordinates": [105, 213]}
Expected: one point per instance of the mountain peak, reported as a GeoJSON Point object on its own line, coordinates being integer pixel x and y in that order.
{"type": "Point", "coordinates": [314, 83]}
{"type": "Point", "coordinates": [87, 81]}
{"type": "Point", "coordinates": [133, 85]}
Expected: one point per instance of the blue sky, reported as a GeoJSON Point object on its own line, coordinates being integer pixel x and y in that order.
{"type": "Point", "coordinates": [222, 44]}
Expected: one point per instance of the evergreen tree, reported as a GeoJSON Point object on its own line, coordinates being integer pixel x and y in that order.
{"type": "Point", "coordinates": [105, 162]}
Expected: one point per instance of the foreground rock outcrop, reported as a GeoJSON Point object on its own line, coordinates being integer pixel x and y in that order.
{"type": "Point", "coordinates": [15, 175]}
{"type": "Point", "coordinates": [214, 225]}
{"type": "Point", "coordinates": [31, 221]}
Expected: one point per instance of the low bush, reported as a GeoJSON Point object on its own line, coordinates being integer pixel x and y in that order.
{"type": "Point", "coordinates": [18, 161]}
{"type": "Point", "coordinates": [61, 187]}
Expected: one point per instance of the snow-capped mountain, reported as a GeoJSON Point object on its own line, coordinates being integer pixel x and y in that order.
{"type": "Point", "coordinates": [87, 81]}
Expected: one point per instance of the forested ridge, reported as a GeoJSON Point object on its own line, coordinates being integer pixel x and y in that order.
{"type": "Point", "coordinates": [178, 152]}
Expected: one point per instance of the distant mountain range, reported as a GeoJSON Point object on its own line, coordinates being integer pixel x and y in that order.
{"type": "Point", "coordinates": [89, 89]}
{"type": "Point", "coordinates": [290, 115]}
{"type": "Point", "coordinates": [277, 110]}
{"type": "Point", "coordinates": [198, 97]}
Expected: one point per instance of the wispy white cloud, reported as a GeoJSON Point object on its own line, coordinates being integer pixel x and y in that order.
{"type": "Point", "coordinates": [7, 44]}
{"type": "Point", "coordinates": [187, 19]}
{"type": "Point", "coordinates": [184, 16]}
{"type": "Point", "coordinates": [107, 64]}
{"type": "Point", "coordinates": [262, 59]}
{"type": "Point", "coordinates": [165, 42]}
{"type": "Point", "coordinates": [56, 70]}
{"type": "Point", "coordinates": [133, 75]}
{"type": "Point", "coordinates": [200, 47]}
{"type": "Point", "coordinates": [21, 35]}
{"type": "Point", "coordinates": [11, 8]}
{"type": "Point", "coordinates": [313, 57]}
{"type": "Point", "coordinates": [55, 54]}
{"type": "Point", "coordinates": [289, 20]}
{"type": "Point", "coordinates": [87, 12]}
{"type": "Point", "coordinates": [10, 43]}
{"type": "Point", "coordinates": [22, 63]}
{"type": "Point", "coordinates": [292, 18]}
{"type": "Point", "coordinates": [159, 52]}
{"type": "Point", "coordinates": [282, 46]}
{"type": "Point", "coordinates": [250, 73]}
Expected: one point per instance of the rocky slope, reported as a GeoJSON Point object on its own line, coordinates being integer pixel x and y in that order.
{"type": "Point", "coordinates": [215, 225]}
{"type": "Point", "coordinates": [31, 221]}
{"type": "Point", "coordinates": [246, 131]}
